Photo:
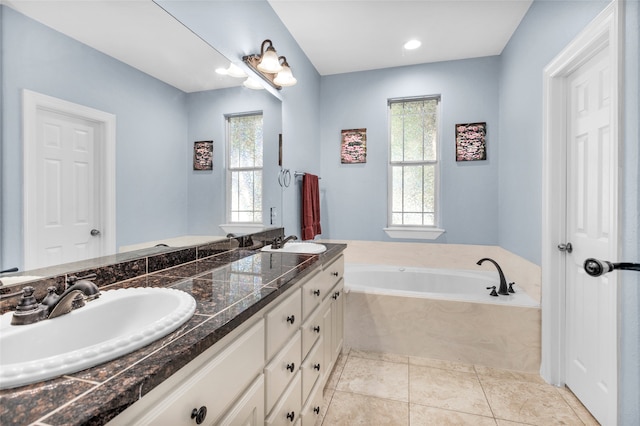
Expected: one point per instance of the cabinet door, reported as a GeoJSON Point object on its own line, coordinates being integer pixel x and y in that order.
{"type": "Point", "coordinates": [287, 411]}
{"type": "Point", "coordinates": [327, 337]}
{"type": "Point", "coordinates": [249, 410]}
{"type": "Point", "coordinates": [234, 368]}
{"type": "Point", "coordinates": [337, 320]}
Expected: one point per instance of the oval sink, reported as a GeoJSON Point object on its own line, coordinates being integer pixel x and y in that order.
{"type": "Point", "coordinates": [301, 248]}
{"type": "Point", "coordinates": [118, 322]}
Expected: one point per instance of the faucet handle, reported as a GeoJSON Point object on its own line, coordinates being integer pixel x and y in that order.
{"type": "Point", "coordinates": [493, 291]}
{"type": "Point", "coordinates": [511, 290]}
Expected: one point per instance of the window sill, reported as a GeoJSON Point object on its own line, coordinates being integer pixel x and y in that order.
{"type": "Point", "coordinates": [416, 233]}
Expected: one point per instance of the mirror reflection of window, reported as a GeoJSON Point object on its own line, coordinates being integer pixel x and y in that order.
{"type": "Point", "coordinates": [244, 168]}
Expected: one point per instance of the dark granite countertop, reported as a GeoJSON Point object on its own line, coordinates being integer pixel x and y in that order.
{"type": "Point", "coordinates": [229, 288]}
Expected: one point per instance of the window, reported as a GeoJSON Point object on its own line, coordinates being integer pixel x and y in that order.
{"type": "Point", "coordinates": [244, 168]}
{"type": "Point", "coordinates": [413, 162]}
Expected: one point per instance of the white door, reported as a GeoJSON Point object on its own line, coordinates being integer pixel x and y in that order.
{"type": "Point", "coordinates": [69, 181]}
{"type": "Point", "coordinates": [591, 352]}
{"type": "Point", "coordinates": [68, 209]}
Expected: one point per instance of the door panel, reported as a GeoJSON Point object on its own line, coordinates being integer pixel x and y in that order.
{"type": "Point", "coordinates": [68, 185]}
{"type": "Point", "coordinates": [591, 302]}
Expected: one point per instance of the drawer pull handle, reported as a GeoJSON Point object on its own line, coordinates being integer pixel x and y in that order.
{"type": "Point", "coordinates": [317, 410]}
{"type": "Point", "coordinates": [291, 319]}
{"type": "Point", "coordinates": [316, 367]}
{"type": "Point", "coordinates": [199, 414]}
{"type": "Point", "coordinates": [335, 274]}
{"type": "Point", "coordinates": [291, 366]}
{"type": "Point", "coordinates": [316, 329]}
{"type": "Point", "coordinates": [336, 295]}
{"type": "Point", "coordinates": [316, 292]}
{"type": "Point", "coordinates": [291, 416]}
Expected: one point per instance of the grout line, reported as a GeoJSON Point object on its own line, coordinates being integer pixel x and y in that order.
{"type": "Point", "coordinates": [484, 392]}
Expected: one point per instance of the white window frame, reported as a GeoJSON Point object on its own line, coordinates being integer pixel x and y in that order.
{"type": "Point", "coordinates": [231, 170]}
{"type": "Point", "coordinates": [423, 232]}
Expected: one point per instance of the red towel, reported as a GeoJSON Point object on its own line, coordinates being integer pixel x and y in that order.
{"type": "Point", "coordinates": [310, 207]}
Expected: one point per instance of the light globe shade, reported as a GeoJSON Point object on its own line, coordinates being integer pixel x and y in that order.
{"type": "Point", "coordinates": [285, 77]}
{"type": "Point", "coordinates": [236, 71]}
{"type": "Point", "coordinates": [251, 83]}
{"type": "Point", "coordinates": [270, 62]}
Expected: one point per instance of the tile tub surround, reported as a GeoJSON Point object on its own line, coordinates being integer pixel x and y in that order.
{"type": "Point", "coordinates": [378, 388]}
{"type": "Point", "coordinates": [498, 336]}
{"type": "Point", "coordinates": [229, 289]}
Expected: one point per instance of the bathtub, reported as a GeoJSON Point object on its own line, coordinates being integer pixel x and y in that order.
{"type": "Point", "coordinates": [440, 313]}
{"type": "Point", "coordinates": [444, 284]}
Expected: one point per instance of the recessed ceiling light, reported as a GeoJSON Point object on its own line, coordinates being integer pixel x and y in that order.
{"type": "Point", "coordinates": [412, 44]}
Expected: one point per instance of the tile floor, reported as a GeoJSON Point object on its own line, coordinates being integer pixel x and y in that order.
{"type": "Point", "coordinates": [381, 389]}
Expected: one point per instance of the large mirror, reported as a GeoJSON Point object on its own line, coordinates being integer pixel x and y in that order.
{"type": "Point", "coordinates": [157, 81]}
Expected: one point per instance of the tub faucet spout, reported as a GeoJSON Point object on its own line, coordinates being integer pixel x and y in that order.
{"type": "Point", "coordinates": [504, 290]}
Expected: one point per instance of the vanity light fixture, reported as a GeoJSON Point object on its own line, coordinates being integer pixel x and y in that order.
{"type": "Point", "coordinates": [272, 68]}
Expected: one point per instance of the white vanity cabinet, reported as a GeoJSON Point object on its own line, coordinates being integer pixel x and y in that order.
{"type": "Point", "coordinates": [212, 383]}
{"type": "Point", "coordinates": [271, 370]}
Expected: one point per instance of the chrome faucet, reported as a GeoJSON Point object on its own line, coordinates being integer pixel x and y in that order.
{"type": "Point", "coordinates": [278, 242]}
{"type": "Point", "coordinates": [504, 290]}
{"type": "Point", "coordinates": [30, 311]}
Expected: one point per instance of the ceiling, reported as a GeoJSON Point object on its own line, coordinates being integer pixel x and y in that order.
{"type": "Point", "coordinates": [341, 36]}
{"type": "Point", "coordinates": [338, 36]}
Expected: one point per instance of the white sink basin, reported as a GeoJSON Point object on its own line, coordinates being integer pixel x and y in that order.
{"type": "Point", "coordinates": [118, 322]}
{"type": "Point", "coordinates": [295, 247]}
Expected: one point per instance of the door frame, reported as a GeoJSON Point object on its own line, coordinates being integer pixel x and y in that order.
{"type": "Point", "coordinates": [106, 152]}
{"type": "Point", "coordinates": [605, 30]}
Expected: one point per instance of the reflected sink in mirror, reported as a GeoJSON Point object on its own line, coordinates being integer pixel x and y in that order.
{"type": "Point", "coordinates": [300, 248]}
{"type": "Point", "coordinates": [118, 322]}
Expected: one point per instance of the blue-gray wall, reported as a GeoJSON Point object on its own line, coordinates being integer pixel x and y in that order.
{"type": "Point", "coordinates": [354, 204]}
{"type": "Point", "coordinates": [545, 30]}
{"type": "Point", "coordinates": [151, 153]}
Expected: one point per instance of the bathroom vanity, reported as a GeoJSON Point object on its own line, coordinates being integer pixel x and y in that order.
{"type": "Point", "coordinates": [267, 331]}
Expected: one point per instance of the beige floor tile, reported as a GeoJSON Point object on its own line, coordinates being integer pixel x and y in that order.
{"type": "Point", "coordinates": [509, 423]}
{"type": "Point", "coordinates": [527, 402]}
{"type": "Point", "coordinates": [577, 406]}
{"type": "Point", "coordinates": [451, 390]}
{"type": "Point", "coordinates": [382, 379]}
{"type": "Point", "coordinates": [430, 416]}
{"type": "Point", "coordinates": [350, 409]}
{"type": "Point", "coordinates": [495, 373]}
{"type": "Point", "coordinates": [379, 356]}
{"type": "Point", "coordinates": [442, 364]}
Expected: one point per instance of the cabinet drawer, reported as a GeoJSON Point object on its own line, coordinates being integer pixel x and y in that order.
{"type": "Point", "coordinates": [282, 322]}
{"type": "Point", "coordinates": [236, 367]}
{"type": "Point", "coordinates": [312, 368]}
{"type": "Point", "coordinates": [330, 275]}
{"type": "Point", "coordinates": [287, 411]}
{"type": "Point", "coordinates": [312, 409]}
{"type": "Point", "coordinates": [312, 294]}
{"type": "Point", "coordinates": [311, 330]}
{"type": "Point", "coordinates": [281, 370]}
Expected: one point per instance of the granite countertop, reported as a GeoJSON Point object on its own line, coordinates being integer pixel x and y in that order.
{"type": "Point", "coordinates": [229, 288]}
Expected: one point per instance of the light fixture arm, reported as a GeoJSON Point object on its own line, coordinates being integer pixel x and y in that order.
{"type": "Point", "coordinates": [281, 67]}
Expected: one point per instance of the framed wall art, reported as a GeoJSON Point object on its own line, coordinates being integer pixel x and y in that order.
{"type": "Point", "coordinates": [203, 155]}
{"type": "Point", "coordinates": [354, 146]}
{"type": "Point", "coordinates": [471, 143]}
